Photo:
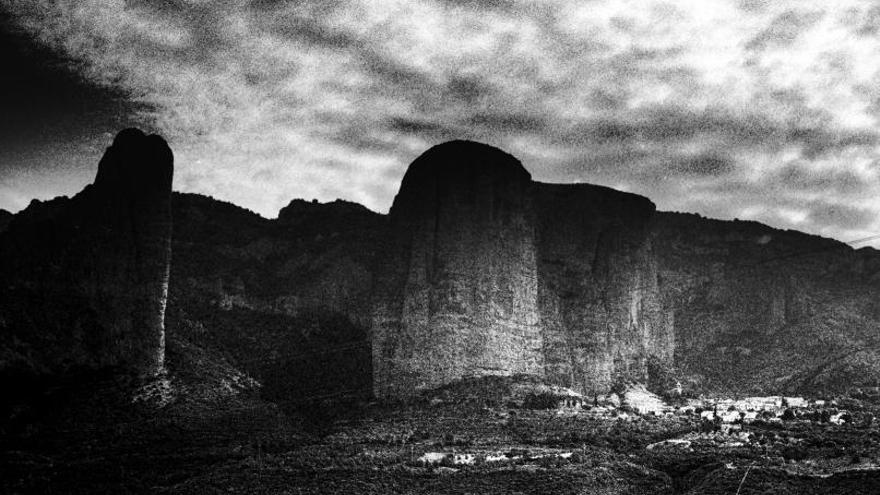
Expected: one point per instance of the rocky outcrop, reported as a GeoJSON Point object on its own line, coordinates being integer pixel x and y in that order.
{"type": "Point", "coordinates": [286, 299]}
{"type": "Point", "coordinates": [85, 279]}
{"type": "Point", "coordinates": [477, 270]}
{"type": "Point", "coordinates": [488, 273]}
{"type": "Point", "coordinates": [601, 312]}
{"type": "Point", "coordinates": [5, 218]}
{"type": "Point", "coordinates": [762, 310]}
{"type": "Point", "coordinates": [457, 292]}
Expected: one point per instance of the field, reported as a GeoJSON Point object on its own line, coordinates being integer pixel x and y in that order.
{"type": "Point", "coordinates": [97, 442]}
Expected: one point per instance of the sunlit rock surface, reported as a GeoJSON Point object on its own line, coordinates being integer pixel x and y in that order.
{"type": "Point", "coordinates": [488, 272]}
{"type": "Point", "coordinates": [85, 279]}
{"type": "Point", "coordinates": [456, 294]}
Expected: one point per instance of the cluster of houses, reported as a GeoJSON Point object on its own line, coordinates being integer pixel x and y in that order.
{"type": "Point", "coordinates": [468, 459]}
{"type": "Point", "coordinates": [771, 409]}
{"type": "Point", "coordinates": [639, 401]}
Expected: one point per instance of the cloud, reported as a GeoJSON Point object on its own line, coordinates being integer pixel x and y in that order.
{"type": "Point", "coordinates": [711, 164]}
{"type": "Point", "coordinates": [732, 108]}
{"type": "Point", "coordinates": [831, 181]}
{"type": "Point", "coordinates": [840, 216]}
{"type": "Point", "coordinates": [785, 29]}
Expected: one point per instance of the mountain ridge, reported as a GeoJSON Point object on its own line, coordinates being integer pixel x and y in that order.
{"type": "Point", "coordinates": [621, 292]}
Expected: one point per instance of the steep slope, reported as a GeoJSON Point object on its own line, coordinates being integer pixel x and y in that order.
{"type": "Point", "coordinates": [85, 279]}
{"type": "Point", "coordinates": [601, 311]}
{"type": "Point", "coordinates": [286, 300]}
{"type": "Point", "coordinates": [489, 273]}
{"type": "Point", "coordinates": [762, 310]}
{"type": "Point", "coordinates": [477, 270]}
{"type": "Point", "coordinates": [457, 294]}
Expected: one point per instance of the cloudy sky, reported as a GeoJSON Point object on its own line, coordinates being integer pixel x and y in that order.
{"type": "Point", "coordinates": [764, 110]}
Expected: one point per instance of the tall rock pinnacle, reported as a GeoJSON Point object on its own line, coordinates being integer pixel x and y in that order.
{"type": "Point", "coordinates": [457, 294]}
{"type": "Point", "coordinates": [86, 278]}
{"type": "Point", "coordinates": [488, 272]}
{"type": "Point", "coordinates": [602, 317]}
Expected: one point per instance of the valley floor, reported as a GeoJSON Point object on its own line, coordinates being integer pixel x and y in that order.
{"type": "Point", "coordinates": [244, 445]}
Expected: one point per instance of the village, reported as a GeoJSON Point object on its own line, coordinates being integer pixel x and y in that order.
{"type": "Point", "coordinates": [637, 402]}
{"type": "Point", "coordinates": [719, 422]}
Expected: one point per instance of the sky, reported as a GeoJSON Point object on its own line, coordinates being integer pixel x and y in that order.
{"type": "Point", "coordinates": [750, 109]}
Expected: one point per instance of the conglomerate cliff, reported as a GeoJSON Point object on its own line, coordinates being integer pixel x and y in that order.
{"type": "Point", "coordinates": [477, 270]}
{"type": "Point", "coordinates": [85, 279]}
{"type": "Point", "coordinates": [287, 300]}
{"type": "Point", "coordinates": [456, 293]}
{"type": "Point", "coordinates": [602, 316]}
{"type": "Point", "coordinates": [762, 310]}
{"type": "Point", "coordinates": [486, 273]}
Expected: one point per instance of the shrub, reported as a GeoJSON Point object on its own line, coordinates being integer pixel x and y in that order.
{"type": "Point", "coordinates": [794, 453]}
{"type": "Point", "coordinates": [541, 400]}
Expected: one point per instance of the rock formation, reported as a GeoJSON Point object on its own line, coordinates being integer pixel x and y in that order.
{"type": "Point", "coordinates": [477, 270]}
{"type": "Point", "coordinates": [487, 272]}
{"type": "Point", "coordinates": [5, 218]}
{"type": "Point", "coordinates": [457, 294]}
{"type": "Point", "coordinates": [601, 312]}
{"type": "Point", "coordinates": [762, 310]}
{"type": "Point", "coordinates": [287, 299]}
{"type": "Point", "coordinates": [85, 279]}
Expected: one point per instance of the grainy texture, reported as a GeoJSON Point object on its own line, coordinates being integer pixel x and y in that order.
{"type": "Point", "coordinates": [457, 292]}
{"type": "Point", "coordinates": [5, 218]}
{"type": "Point", "coordinates": [601, 312]}
{"type": "Point", "coordinates": [761, 310]}
{"type": "Point", "coordinates": [85, 279]}
{"type": "Point", "coordinates": [488, 272]}
{"type": "Point", "coordinates": [287, 300]}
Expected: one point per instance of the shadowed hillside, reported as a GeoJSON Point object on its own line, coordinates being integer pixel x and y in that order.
{"type": "Point", "coordinates": [286, 300]}
{"type": "Point", "coordinates": [758, 309]}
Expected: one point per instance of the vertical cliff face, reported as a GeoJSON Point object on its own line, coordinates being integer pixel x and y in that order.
{"type": "Point", "coordinates": [288, 300]}
{"type": "Point", "coordinates": [761, 310]}
{"type": "Point", "coordinates": [85, 279]}
{"type": "Point", "coordinates": [457, 291]}
{"type": "Point", "coordinates": [601, 314]}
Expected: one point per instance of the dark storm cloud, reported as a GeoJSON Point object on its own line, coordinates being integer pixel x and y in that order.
{"type": "Point", "coordinates": [508, 122]}
{"type": "Point", "coordinates": [49, 110]}
{"type": "Point", "coordinates": [785, 28]}
{"type": "Point", "coordinates": [502, 5]}
{"type": "Point", "coordinates": [670, 125]}
{"type": "Point", "coordinates": [663, 124]}
{"type": "Point", "coordinates": [360, 138]}
{"type": "Point", "coordinates": [835, 181]}
{"type": "Point", "coordinates": [818, 141]}
{"type": "Point", "coordinates": [709, 164]}
{"type": "Point", "coordinates": [311, 31]}
{"type": "Point", "coordinates": [395, 75]}
{"type": "Point", "coordinates": [823, 214]}
{"type": "Point", "coordinates": [468, 89]}
{"type": "Point", "coordinates": [869, 23]}
{"type": "Point", "coordinates": [427, 130]}
{"type": "Point", "coordinates": [756, 6]}
{"type": "Point", "coordinates": [728, 107]}
{"type": "Point", "coordinates": [203, 24]}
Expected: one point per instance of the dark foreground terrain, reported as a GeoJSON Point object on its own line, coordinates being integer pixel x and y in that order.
{"type": "Point", "coordinates": [180, 438]}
